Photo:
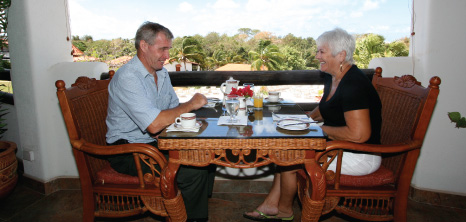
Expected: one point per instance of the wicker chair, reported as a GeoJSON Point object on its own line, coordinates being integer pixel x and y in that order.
{"type": "Point", "coordinates": [381, 196]}
{"type": "Point", "coordinates": [105, 192]}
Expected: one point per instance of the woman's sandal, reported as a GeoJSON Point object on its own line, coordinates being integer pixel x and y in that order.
{"type": "Point", "coordinates": [265, 217]}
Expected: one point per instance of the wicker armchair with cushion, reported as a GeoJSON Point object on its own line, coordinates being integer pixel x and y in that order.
{"type": "Point", "coordinates": [107, 193]}
{"type": "Point", "coordinates": [407, 108]}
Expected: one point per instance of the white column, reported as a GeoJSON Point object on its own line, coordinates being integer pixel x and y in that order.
{"type": "Point", "coordinates": [438, 49]}
{"type": "Point", "coordinates": [40, 49]}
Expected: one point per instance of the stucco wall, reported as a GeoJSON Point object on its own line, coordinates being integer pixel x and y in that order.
{"type": "Point", "coordinates": [437, 49]}
{"type": "Point", "coordinates": [41, 54]}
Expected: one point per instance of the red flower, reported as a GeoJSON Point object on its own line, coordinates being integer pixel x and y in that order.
{"type": "Point", "coordinates": [246, 92]}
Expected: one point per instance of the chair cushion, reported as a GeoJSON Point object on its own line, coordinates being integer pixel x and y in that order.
{"type": "Point", "coordinates": [109, 175]}
{"type": "Point", "coordinates": [380, 177]}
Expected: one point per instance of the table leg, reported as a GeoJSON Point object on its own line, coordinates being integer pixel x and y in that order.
{"type": "Point", "coordinates": [173, 200]}
{"type": "Point", "coordinates": [313, 203]}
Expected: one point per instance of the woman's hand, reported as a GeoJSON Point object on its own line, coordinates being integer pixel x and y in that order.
{"type": "Point", "coordinates": [315, 115]}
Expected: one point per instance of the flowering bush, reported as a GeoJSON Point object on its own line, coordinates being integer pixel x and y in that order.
{"type": "Point", "coordinates": [246, 92]}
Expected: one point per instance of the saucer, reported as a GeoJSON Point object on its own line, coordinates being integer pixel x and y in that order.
{"type": "Point", "coordinates": [279, 100]}
{"type": "Point", "coordinates": [179, 127]}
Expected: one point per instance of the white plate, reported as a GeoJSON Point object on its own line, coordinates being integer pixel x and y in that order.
{"type": "Point", "coordinates": [282, 124]}
{"type": "Point", "coordinates": [279, 100]}
{"type": "Point", "coordinates": [179, 127]}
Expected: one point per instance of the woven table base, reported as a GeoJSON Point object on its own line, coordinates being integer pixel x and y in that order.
{"type": "Point", "coordinates": [311, 209]}
{"type": "Point", "coordinates": [175, 208]}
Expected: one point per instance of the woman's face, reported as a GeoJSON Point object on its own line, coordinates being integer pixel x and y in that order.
{"type": "Point", "coordinates": [328, 62]}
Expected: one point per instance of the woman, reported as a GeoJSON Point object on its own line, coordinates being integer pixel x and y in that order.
{"type": "Point", "coordinates": [350, 109]}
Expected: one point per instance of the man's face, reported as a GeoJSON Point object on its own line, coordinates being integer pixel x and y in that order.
{"type": "Point", "coordinates": [156, 54]}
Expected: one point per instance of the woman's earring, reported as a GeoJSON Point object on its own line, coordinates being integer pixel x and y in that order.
{"type": "Point", "coordinates": [341, 67]}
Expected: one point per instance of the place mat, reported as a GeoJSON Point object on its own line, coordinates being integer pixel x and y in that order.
{"type": "Point", "coordinates": [241, 121]}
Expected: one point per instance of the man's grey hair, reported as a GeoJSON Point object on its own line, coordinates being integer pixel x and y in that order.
{"type": "Point", "coordinates": [338, 40]}
{"type": "Point", "coordinates": [148, 31]}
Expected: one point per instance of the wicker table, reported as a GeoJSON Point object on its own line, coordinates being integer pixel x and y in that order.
{"type": "Point", "coordinates": [257, 144]}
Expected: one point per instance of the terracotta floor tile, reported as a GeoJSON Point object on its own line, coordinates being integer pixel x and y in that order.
{"type": "Point", "coordinates": [25, 204]}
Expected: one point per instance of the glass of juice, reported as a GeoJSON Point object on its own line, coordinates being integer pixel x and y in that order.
{"type": "Point", "coordinates": [258, 102]}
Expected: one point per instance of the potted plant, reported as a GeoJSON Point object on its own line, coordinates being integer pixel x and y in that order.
{"type": "Point", "coordinates": [8, 168]}
{"type": "Point", "coordinates": [8, 161]}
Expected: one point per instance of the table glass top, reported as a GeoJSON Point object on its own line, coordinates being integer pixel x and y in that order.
{"type": "Point", "coordinates": [260, 124]}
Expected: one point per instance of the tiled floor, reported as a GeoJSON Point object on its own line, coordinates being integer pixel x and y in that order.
{"type": "Point", "coordinates": [25, 204]}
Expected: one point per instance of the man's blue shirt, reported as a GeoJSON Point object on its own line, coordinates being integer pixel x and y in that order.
{"type": "Point", "coordinates": [135, 101]}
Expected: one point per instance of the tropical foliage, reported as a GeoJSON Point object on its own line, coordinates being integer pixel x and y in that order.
{"type": "Point", "coordinates": [261, 49]}
{"type": "Point", "coordinates": [104, 50]}
{"type": "Point", "coordinates": [371, 46]}
{"type": "Point", "coordinates": [189, 50]}
{"type": "Point", "coordinates": [4, 5]}
{"type": "Point", "coordinates": [455, 117]}
{"type": "Point", "coordinates": [267, 57]}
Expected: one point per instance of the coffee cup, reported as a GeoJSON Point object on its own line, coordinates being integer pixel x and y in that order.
{"type": "Point", "coordinates": [186, 120]}
{"type": "Point", "coordinates": [274, 96]}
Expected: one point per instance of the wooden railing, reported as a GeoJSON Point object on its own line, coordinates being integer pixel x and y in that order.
{"type": "Point", "coordinates": [264, 78]}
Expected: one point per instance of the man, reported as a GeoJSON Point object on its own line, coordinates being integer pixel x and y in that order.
{"type": "Point", "coordinates": [142, 102]}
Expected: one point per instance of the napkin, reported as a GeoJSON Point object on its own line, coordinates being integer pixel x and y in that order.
{"type": "Point", "coordinates": [277, 117]}
{"type": "Point", "coordinates": [178, 128]}
{"type": "Point", "coordinates": [241, 121]}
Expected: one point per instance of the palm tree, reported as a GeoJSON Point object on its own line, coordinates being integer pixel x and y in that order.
{"type": "Point", "coordinates": [190, 50]}
{"type": "Point", "coordinates": [217, 59]}
{"type": "Point", "coordinates": [268, 56]}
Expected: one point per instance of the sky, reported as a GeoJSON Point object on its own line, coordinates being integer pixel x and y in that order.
{"type": "Point", "coordinates": [110, 19]}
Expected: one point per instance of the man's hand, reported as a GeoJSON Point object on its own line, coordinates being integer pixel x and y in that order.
{"type": "Point", "coordinates": [167, 117]}
{"type": "Point", "coordinates": [197, 101]}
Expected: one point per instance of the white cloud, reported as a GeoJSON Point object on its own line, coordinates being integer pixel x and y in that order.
{"type": "Point", "coordinates": [185, 7]}
{"type": "Point", "coordinates": [356, 14]}
{"type": "Point", "coordinates": [371, 4]}
{"type": "Point", "coordinates": [84, 21]}
{"type": "Point", "coordinates": [225, 4]}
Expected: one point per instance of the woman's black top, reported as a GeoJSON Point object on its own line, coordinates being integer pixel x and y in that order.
{"type": "Point", "coordinates": [355, 91]}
